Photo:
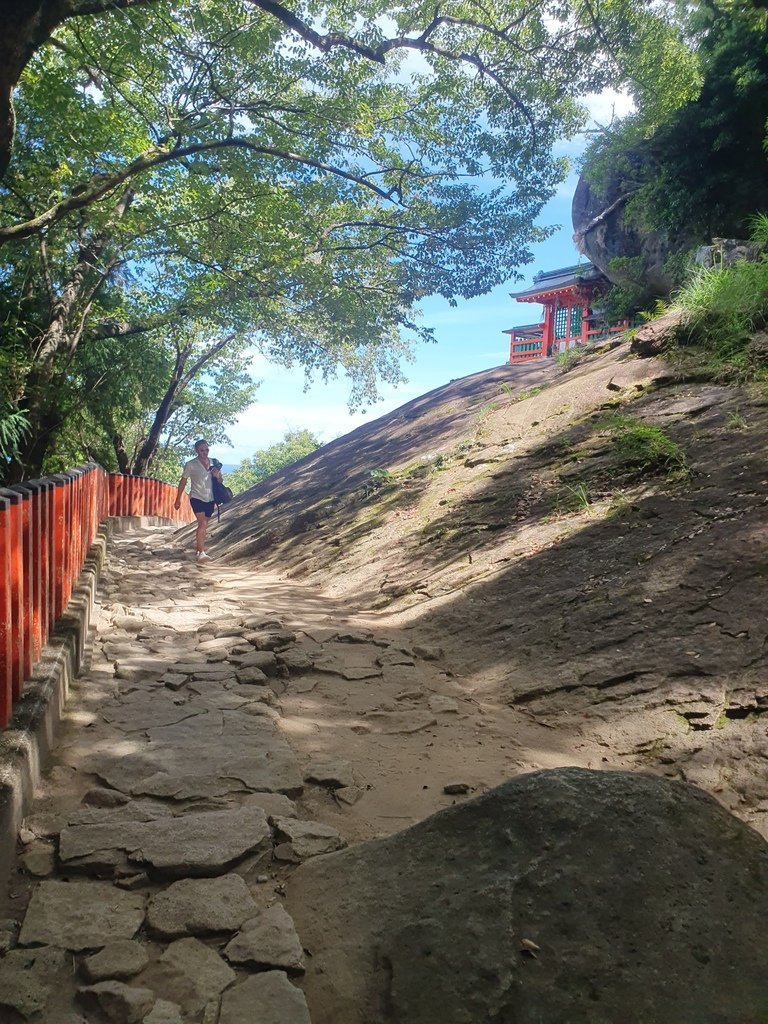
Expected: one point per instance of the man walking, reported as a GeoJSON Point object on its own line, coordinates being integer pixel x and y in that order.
{"type": "Point", "coordinates": [199, 471]}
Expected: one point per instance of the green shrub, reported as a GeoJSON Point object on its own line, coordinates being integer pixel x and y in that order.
{"type": "Point", "coordinates": [530, 392]}
{"type": "Point", "coordinates": [575, 498]}
{"type": "Point", "coordinates": [377, 480]}
{"type": "Point", "coordinates": [14, 428]}
{"type": "Point", "coordinates": [758, 229]}
{"type": "Point", "coordinates": [571, 357]}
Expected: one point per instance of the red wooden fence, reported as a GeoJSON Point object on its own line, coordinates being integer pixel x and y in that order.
{"type": "Point", "coordinates": [46, 530]}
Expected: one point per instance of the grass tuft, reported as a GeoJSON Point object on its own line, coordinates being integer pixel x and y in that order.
{"type": "Point", "coordinates": [725, 306]}
{"type": "Point", "coordinates": [645, 449]}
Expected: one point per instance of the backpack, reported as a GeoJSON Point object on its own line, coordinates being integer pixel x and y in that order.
{"type": "Point", "coordinates": [221, 494]}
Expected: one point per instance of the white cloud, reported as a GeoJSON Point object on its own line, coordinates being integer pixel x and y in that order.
{"type": "Point", "coordinates": [605, 105]}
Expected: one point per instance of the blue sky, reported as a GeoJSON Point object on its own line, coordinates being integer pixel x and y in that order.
{"type": "Point", "coordinates": [469, 339]}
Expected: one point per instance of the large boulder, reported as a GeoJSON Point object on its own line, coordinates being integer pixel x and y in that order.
{"type": "Point", "coordinates": [629, 254]}
{"type": "Point", "coordinates": [561, 897]}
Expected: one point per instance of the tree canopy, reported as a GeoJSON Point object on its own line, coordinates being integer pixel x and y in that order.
{"type": "Point", "coordinates": [294, 179]}
{"type": "Point", "coordinates": [265, 462]}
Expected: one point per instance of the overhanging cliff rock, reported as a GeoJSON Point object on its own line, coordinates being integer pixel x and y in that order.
{"type": "Point", "coordinates": [628, 255]}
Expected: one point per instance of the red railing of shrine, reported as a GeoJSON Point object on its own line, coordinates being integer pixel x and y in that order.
{"type": "Point", "coordinates": [46, 530]}
{"type": "Point", "coordinates": [617, 328]}
{"type": "Point", "coordinates": [529, 346]}
{"type": "Point", "coordinates": [525, 350]}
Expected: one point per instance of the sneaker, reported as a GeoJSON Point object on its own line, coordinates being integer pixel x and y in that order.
{"type": "Point", "coordinates": [202, 557]}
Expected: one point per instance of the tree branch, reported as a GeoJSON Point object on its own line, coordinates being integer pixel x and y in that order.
{"type": "Point", "coordinates": [84, 8]}
{"type": "Point", "coordinates": [209, 353]}
{"type": "Point", "coordinates": [122, 329]}
{"type": "Point", "coordinates": [321, 42]}
{"type": "Point", "coordinates": [100, 184]}
{"type": "Point", "coordinates": [601, 217]}
{"type": "Point", "coordinates": [378, 53]}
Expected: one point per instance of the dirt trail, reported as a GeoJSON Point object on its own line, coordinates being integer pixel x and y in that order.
{"type": "Point", "coordinates": [598, 614]}
{"type": "Point", "coordinates": [231, 724]}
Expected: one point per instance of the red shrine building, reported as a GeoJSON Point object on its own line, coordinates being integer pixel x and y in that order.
{"type": "Point", "coordinates": [572, 313]}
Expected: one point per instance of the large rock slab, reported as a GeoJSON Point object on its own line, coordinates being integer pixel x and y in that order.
{"type": "Point", "coordinates": [267, 940]}
{"type": "Point", "coordinates": [206, 755]}
{"type": "Point", "coordinates": [200, 907]}
{"type": "Point", "coordinates": [28, 977]}
{"type": "Point", "coordinates": [188, 975]}
{"type": "Point", "coordinates": [351, 661]}
{"type": "Point", "coordinates": [164, 1012]}
{"type": "Point", "coordinates": [268, 998]}
{"type": "Point", "coordinates": [191, 845]}
{"type": "Point", "coordinates": [118, 1002]}
{"type": "Point", "coordinates": [116, 961]}
{"type": "Point", "coordinates": [136, 713]}
{"type": "Point", "coordinates": [569, 896]}
{"type": "Point", "coordinates": [80, 915]}
{"type": "Point", "coordinates": [306, 838]}
{"type": "Point", "coordinates": [201, 966]}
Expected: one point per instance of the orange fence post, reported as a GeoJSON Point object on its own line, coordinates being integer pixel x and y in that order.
{"type": "Point", "coordinates": [99, 489]}
{"type": "Point", "coordinates": [14, 563]}
{"type": "Point", "coordinates": [111, 494]}
{"type": "Point", "coordinates": [34, 492]}
{"type": "Point", "coordinates": [6, 614]}
{"type": "Point", "coordinates": [77, 523]}
{"type": "Point", "coordinates": [95, 503]}
{"type": "Point", "coordinates": [88, 533]}
{"type": "Point", "coordinates": [47, 560]}
{"type": "Point", "coordinates": [73, 533]}
{"type": "Point", "coordinates": [26, 587]}
{"type": "Point", "coordinates": [38, 564]}
{"type": "Point", "coordinates": [136, 494]}
{"type": "Point", "coordinates": [67, 545]}
{"type": "Point", "coordinates": [58, 540]}
{"type": "Point", "coordinates": [125, 501]}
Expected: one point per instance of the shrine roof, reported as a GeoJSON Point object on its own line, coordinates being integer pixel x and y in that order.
{"type": "Point", "coordinates": [525, 329]}
{"type": "Point", "coordinates": [558, 280]}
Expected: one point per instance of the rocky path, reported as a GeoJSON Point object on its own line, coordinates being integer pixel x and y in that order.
{"type": "Point", "coordinates": [151, 871]}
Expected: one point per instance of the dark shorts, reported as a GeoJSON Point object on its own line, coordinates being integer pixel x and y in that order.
{"type": "Point", "coordinates": [202, 506]}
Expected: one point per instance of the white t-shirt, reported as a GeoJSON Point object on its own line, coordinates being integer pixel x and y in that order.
{"type": "Point", "coordinates": [200, 477]}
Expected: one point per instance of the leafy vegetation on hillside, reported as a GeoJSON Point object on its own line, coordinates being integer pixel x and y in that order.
{"type": "Point", "coordinates": [716, 324]}
{"type": "Point", "coordinates": [267, 461]}
{"type": "Point", "coordinates": [703, 167]}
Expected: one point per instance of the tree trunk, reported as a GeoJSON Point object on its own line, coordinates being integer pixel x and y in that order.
{"type": "Point", "coordinates": [123, 462]}
{"type": "Point", "coordinates": [26, 25]}
{"type": "Point", "coordinates": [180, 379]}
{"type": "Point", "coordinates": [147, 451]}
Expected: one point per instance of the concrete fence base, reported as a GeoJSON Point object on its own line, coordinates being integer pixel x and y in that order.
{"type": "Point", "coordinates": [25, 746]}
